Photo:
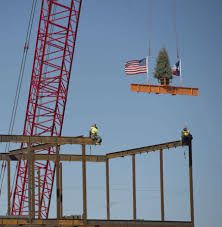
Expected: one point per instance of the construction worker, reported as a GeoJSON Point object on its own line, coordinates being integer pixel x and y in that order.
{"type": "Point", "coordinates": [186, 137]}
{"type": "Point", "coordinates": [93, 133]}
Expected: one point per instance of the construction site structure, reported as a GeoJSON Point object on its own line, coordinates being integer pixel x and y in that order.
{"type": "Point", "coordinates": [39, 160]}
{"type": "Point", "coordinates": [27, 152]}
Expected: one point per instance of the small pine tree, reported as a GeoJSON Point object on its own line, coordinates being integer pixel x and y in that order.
{"type": "Point", "coordinates": [163, 71]}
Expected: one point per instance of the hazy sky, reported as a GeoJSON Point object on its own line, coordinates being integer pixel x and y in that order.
{"type": "Point", "coordinates": [110, 33]}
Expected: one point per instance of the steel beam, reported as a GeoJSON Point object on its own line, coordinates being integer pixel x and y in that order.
{"type": "Point", "coordinates": [161, 187]}
{"type": "Point", "coordinates": [46, 139]}
{"type": "Point", "coordinates": [141, 150]}
{"type": "Point", "coordinates": [52, 157]}
{"type": "Point", "coordinates": [33, 182]}
{"type": "Point", "coordinates": [13, 222]}
{"type": "Point", "coordinates": [191, 183]}
{"type": "Point", "coordinates": [93, 158]}
{"type": "Point", "coordinates": [32, 148]}
{"type": "Point", "coordinates": [107, 191]}
{"type": "Point", "coordinates": [39, 193]}
{"type": "Point", "coordinates": [9, 186]}
{"type": "Point", "coordinates": [160, 89]}
{"type": "Point", "coordinates": [134, 185]}
{"type": "Point", "coordinates": [31, 185]}
{"type": "Point", "coordinates": [84, 193]}
{"type": "Point", "coordinates": [58, 192]}
{"type": "Point", "coordinates": [61, 189]}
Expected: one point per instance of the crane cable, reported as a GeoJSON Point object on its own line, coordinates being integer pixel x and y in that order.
{"type": "Point", "coordinates": [175, 27]}
{"type": "Point", "coordinates": [176, 38]}
{"type": "Point", "coordinates": [150, 20]}
{"type": "Point", "coordinates": [149, 41]}
{"type": "Point", "coordinates": [18, 89]}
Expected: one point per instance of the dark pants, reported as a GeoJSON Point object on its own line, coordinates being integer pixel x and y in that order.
{"type": "Point", "coordinates": [96, 138]}
{"type": "Point", "coordinates": [186, 140]}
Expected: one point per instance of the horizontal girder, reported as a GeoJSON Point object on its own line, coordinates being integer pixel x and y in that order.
{"type": "Point", "coordinates": [5, 222]}
{"type": "Point", "coordinates": [163, 89]}
{"type": "Point", "coordinates": [46, 139]}
{"type": "Point", "coordinates": [21, 154]}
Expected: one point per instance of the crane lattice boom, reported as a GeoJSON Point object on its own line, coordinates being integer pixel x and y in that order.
{"type": "Point", "coordinates": [51, 70]}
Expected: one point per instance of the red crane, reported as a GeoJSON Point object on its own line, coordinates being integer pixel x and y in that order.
{"type": "Point", "coordinates": [54, 51]}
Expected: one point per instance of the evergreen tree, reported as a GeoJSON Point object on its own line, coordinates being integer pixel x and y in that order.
{"type": "Point", "coordinates": [163, 71]}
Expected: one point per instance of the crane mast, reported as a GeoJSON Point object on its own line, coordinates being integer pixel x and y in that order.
{"type": "Point", "coordinates": [54, 51]}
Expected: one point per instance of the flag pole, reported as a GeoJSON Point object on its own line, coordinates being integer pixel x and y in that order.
{"type": "Point", "coordinates": [147, 71]}
{"type": "Point", "coordinates": [181, 80]}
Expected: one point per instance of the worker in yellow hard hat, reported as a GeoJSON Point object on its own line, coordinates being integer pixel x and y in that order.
{"type": "Point", "coordinates": [93, 133]}
{"type": "Point", "coordinates": [186, 137]}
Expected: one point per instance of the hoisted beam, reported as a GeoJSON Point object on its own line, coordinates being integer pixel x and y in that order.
{"type": "Point", "coordinates": [163, 89]}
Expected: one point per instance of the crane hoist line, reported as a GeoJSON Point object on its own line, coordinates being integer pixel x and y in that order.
{"type": "Point", "coordinates": [52, 64]}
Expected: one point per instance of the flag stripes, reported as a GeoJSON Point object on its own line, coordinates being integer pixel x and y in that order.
{"type": "Point", "coordinates": [136, 67]}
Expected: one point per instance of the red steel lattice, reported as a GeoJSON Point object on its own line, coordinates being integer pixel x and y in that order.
{"type": "Point", "coordinates": [56, 39]}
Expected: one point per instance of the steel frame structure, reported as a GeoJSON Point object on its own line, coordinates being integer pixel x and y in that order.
{"type": "Point", "coordinates": [22, 154]}
{"type": "Point", "coordinates": [55, 44]}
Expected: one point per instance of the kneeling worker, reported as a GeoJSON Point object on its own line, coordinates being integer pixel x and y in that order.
{"type": "Point", "coordinates": [186, 137]}
{"type": "Point", "coordinates": [93, 134]}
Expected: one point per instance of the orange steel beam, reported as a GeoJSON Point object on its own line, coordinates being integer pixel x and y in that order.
{"type": "Point", "coordinates": [163, 89]}
{"type": "Point", "coordinates": [24, 222]}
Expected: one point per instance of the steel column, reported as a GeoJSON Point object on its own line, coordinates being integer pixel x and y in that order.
{"type": "Point", "coordinates": [134, 185]}
{"type": "Point", "coordinates": [31, 184]}
{"type": "Point", "coordinates": [61, 192]}
{"type": "Point", "coordinates": [84, 193]}
{"type": "Point", "coordinates": [39, 194]}
{"type": "Point", "coordinates": [9, 185]}
{"type": "Point", "coordinates": [107, 191]}
{"type": "Point", "coordinates": [191, 183]}
{"type": "Point", "coordinates": [58, 193]}
{"type": "Point", "coordinates": [162, 187]}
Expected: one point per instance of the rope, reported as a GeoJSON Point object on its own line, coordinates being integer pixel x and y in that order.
{"type": "Point", "coordinates": [18, 87]}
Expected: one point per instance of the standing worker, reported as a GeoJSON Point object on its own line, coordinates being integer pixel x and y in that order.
{"type": "Point", "coordinates": [93, 134]}
{"type": "Point", "coordinates": [186, 137]}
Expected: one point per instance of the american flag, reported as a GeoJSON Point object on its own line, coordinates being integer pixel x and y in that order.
{"type": "Point", "coordinates": [136, 66]}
